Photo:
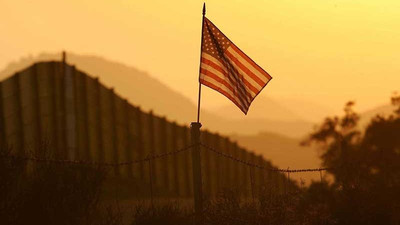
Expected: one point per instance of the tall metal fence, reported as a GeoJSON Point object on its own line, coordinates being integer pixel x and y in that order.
{"type": "Point", "coordinates": [51, 108]}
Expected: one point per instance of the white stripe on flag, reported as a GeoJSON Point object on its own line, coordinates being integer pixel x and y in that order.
{"type": "Point", "coordinates": [243, 94]}
{"type": "Point", "coordinates": [224, 88]}
{"type": "Point", "coordinates": [247, 92]}
{"type": "Point", "coordinates": [250, 68]}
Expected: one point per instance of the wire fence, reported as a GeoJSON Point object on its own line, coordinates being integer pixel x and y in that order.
{"type": "Point", "coordinates": [148, 160]}
{"type": "Point", "coordinates": [92, 163]}
{"type": "Point", "coordinates": [151, 157]}
{"type": "Point", "coordinates": [254, 165]}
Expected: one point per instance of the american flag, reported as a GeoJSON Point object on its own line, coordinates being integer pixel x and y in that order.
{"type": "Point", "coordinates": [226, 69]}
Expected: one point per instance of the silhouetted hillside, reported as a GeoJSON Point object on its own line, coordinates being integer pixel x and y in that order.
{"type": "Point", "coordinates": [149, 93]}
{"type": "Point", "coordinates": [137, 86]}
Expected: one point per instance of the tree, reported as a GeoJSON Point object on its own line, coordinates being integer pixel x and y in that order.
{"type": "Point", "coordinates": [365, 166]}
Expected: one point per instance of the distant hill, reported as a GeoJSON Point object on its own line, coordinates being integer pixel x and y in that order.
{"type": "Point", "coordinates": [272, 128]}
{"type": "Point", "coordinates": [149, 93]}
{"type": "Point", "coordinates": [137, 86]}
{"type": "Point", "coordinates": [262, 108]}
{"type": "Point", "coordinates": [383, 110]}
{"type": "Point", "coordinates": [284, 109]}
{"type": "Point", "coordinates": [283, 151]}
{"type": "Point", "coordinates": [308, 110]}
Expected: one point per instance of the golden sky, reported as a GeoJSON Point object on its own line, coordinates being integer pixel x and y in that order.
{"type": "Point", "coordinates": [324, 51]}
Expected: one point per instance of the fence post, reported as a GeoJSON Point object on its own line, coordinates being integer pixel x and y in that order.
{"type": "Point", "coordinates": [197, 182]}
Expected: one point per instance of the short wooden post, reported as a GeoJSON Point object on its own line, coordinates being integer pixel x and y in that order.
{"type": "Point", "coordinates": [197, 182]}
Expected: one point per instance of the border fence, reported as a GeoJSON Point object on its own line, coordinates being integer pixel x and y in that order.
{"type": "Point", "coordinates": [80, 121]}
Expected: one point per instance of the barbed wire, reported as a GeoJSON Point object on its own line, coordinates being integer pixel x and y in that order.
{"type": "Point", "coordinates": [158, 156]}
{"type": "Point", "coordinates": [251, 164]}
{"type": "Point", "coordinates": [92, 163]}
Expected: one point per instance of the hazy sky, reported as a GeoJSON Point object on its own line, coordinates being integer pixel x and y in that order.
{"type": "Point", "coordinates": [326, 51]}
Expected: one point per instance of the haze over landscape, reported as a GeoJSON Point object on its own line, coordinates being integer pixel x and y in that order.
{"type": "Point", "coordinates": [99, 100]}
{"type": "Point", "coordinates": [273, 129]}
{"type": "Point", "coordinates": [334, 57]}
{"type": "Point", "coordinates": [322, 52]}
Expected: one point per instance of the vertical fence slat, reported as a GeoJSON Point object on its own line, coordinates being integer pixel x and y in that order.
{"type": "Point", "coordinates": [81, 116]}
{"type": "Point", "coordinates": [128, 137]}
{"type": "Point", "coordinates": [120, 133]}
{"type": "Point", "coordinates": [114, 131]}
{"type": "Point", "coordinates": [2, 128]}
{"type": "Point", "coordinates": [36, 109]}
{"type": "Point", "coordinates": [53, 110]}
{"type": "Point", "coordinates": [188, 163]}
{"type": "Point", "coordinates": [236, 166]}
{"type": "Point", "coordinates": [70, 112]}
{"type": "Point", "coordinates": [10, 112]}
{"type": "Point", "coordinates": [157, 148]}
{"type": "Point", "coordinates": [207, 173]}
{"type": "Point", "coordinates": [167, 140]}
{"type": "Point", "coordinates": [173, 139]}
{"type": "Point", "coordinates": [226, 163]}
{"type": "Point", "coordinates": [108, 129]}
{"type": "Point", "coordinates": [139, 144]}
{"type": "Point", "coordinates": [147, 141]}
{"type": "Point", "coordinates": [152, 150]}
{"type": "Point", "coordinates": [181, 141]}
{"type": "Point", "coordinates": [247, 158]}
{"type": "Point", "coordinates": [260, 174]}
{"type": "Point", "coordinates": [28, 106]}
{"type": "Point", "coordinates": [100, 150]}
{"type": "Point", "coordinates": [20, 138]}
{"type": "Point", "coordinates": [106, 125]}
{"type": "Point", "coordinates": [61, 111]}
{"type": "Point", "coordinates": [93, 124]}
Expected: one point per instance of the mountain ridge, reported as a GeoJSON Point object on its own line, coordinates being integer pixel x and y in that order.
{"type": "Point", "coordinates": [142, 89]}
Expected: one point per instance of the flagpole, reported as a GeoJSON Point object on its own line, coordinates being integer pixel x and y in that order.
{"type": "Point", "coordinates": [196, 156]}
{"type": "Point", "coordinates": [201, 45]}
{"type": "Point", "coordinates": [198, 104]}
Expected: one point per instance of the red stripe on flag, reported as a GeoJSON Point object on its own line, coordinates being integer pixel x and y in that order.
{"type": "Point", "coordinates": [241, 107]}
{"type": "Point", "coordinates": [244, 56]}
{"type": "Point", "coordinates": [218, 79]}
{"type": "Point", "coordinates": [218, 68]}
{"type": "Point", "coordinates": [245, 69]}
{"type": "Point", "coordinates": [221, 81]}
{"type": "Point", "coordinates": [247, 83]}
{"type": "Point", "coordinates": [214, 65]}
